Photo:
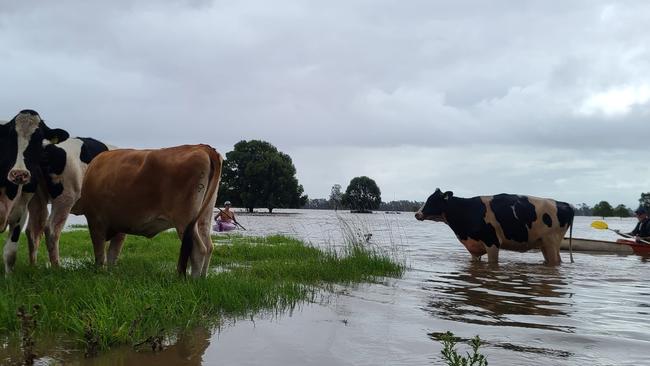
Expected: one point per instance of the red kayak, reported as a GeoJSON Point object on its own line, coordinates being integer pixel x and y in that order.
{"type": "Point", "coordinates": [638, 248]}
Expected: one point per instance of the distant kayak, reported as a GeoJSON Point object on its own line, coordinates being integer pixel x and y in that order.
{"type": "Point", "coordinates": [222, 226]}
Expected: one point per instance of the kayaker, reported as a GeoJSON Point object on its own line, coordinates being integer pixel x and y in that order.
{"type": "Point", "coordinates": [225, 216]}
{"type": "Point", "coordinates": [642, 228]}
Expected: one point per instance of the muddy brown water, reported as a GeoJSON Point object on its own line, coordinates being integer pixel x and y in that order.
{"type": "Point", "coordinates": [595, 311]}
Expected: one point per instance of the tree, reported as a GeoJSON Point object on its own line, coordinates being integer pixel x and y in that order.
{"type": "Point", "coordinates": [582, 209]}
{"type": "Point", "coordinates": [621, 211]}
{"type": "Point", "coordinates": [401, 205]}
{"type": "Point", "coordinates": [256, 174]}
{"type": "Point", "coordinates": [362, 195]}
{"type": "Point", "coordinates": [336, 196]}
{"type": "Point", "coordinates": [317, 204]}
{"type": "Point", "coordinates": [603, 208]}
{"type": "Point", "coordinates": [644, 201]}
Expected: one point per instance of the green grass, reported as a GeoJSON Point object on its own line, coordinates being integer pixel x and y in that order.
{"type": "Point", "coordinates": [142, 294]}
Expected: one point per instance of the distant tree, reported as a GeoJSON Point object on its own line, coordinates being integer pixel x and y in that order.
{"type": "Point", "coordinates": [401, 205]}
{"type": "Point", "coordinates": [318, 204]}
{"type": "Point", "coordinates": [644, 201]}
{"type": "Point", "coordinates": [622, 211]}
{"type": "Point", "coordinates": [336, 196]}
{"type": "Point", "coordinates": [256, 174]}
{"type": "Point", "coordinates": [603, 208]}
{"type": "Point", "coordinates": [362, 195]}
{"type": "Point", "coordinates": [582, 209]}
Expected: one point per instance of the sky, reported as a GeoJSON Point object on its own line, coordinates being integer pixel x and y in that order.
{"type": "Point", "coordinates": [546, 98]}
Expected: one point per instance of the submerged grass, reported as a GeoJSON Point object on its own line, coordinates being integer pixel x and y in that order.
{"type": "Point", "coordinates": [142, 295]}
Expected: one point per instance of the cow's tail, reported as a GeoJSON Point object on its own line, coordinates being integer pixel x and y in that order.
{"type": "Point", "coordinates": [571, 239]}
{"type": "Point", "coordinates": [214, 177]}
{"type": "Point", "coordinates": [186, 248]}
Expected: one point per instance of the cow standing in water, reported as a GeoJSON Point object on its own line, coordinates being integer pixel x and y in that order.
{"type": "Point", "coordinates": [144, 192]}
{"type": "Point", "coordinates": [33, 175]}
{"type": "Point", "coordinates": [486, 224]}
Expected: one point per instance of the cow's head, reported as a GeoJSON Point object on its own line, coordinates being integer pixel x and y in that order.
{"type": "Point", "coordinates": [435, 206]}
{"type": "Point", "coordinates": [21, 146]}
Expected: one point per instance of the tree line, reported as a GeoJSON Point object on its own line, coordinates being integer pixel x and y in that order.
{"type": "Point", "coordinates": [605, 209]}
{"type": "Point", "coordinates": [257, 175]}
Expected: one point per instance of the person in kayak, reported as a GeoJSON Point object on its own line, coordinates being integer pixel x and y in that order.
{"type": "Point", "coordinates": [642, 228]}
{"type": "Point", "coordinates": [226, 218]}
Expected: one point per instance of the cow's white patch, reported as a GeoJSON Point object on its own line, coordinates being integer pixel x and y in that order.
{"type": "Point", "coordinates": [26, 125]}
{"type": "Point", "coordinates": [514, 212]}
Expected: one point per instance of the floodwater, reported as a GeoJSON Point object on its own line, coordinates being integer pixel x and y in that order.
{"type": "Point", "coordinates": [595, 311]}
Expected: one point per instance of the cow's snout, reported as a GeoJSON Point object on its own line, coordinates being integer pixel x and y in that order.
{"type": "Point", "coordinates": [419, 215]}
{"type": "Point", "coordinates": [19, 176]}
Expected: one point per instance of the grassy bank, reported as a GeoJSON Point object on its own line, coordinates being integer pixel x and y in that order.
{"type": "Point", "coordinates": [142, 294]}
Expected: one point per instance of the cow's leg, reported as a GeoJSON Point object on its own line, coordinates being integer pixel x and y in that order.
{"type": "Point", "coordinates": [60, 211]}
{"type": "Point", "coordinates": [492, 253]}
{"type": "Point", "coordinates": [17, 218]}
{"type": "Point", "coordinates": [199, 253]}
{"type": "Point", "coordinates": [115, 247]}
{"type": "Point", "coordinates": [11, 244]}
{"type": "Point", "coordinates": [98, 237]}
{"type": "Point", "coordinates": [35, 225]}
{"type": "Point", "coordinates": [196, 257]}
{"type": "Point", "coordinates": [551, 252]}
{"type": "Point", "coordinates": [204, 233]}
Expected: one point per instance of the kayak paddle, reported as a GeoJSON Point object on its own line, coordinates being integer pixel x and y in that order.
{"type": "Point", "coordinates": [602, 225]}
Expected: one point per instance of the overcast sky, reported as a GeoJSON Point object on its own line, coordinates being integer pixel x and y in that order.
{"type": "Point", "coordinates": [548, 98]}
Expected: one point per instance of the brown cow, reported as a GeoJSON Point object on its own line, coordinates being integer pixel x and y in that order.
{"type": "Point", "coordinates": [144, 192]}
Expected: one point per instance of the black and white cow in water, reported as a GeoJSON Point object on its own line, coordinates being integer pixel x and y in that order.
{"type": "Point", "coordinates": [33, 175]}
{"type": "Point", "coordinates": [486, 224]}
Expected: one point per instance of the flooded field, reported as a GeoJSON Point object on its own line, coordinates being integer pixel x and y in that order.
{"type": "Point", "coordinates": [595, 311]}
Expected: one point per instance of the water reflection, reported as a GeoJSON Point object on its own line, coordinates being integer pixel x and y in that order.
{"type": "Point", "coordinates": [186, 349]}
{"type": "Point", "coordinates": [517, 295]}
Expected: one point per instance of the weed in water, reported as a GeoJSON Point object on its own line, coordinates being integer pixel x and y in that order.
{"type": "Point", "coordinates": [27, 329]}
{"type": "Point", "coordinates": [91, 339]}
{"type": "Point", "coordinates": [451, 356]}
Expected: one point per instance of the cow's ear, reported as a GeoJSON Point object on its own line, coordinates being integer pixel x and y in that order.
{"type": "Point", "coordinates": [448, 195]}
{"type": "Point", "coordinates": [54, 135]}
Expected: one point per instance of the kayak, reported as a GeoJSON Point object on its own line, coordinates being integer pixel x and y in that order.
{"type": "Point", "coordinates": [638, 248]}
{"type": "Point", "coordinates": [621, 246]}
{"type": "Point", "coordinates": [222, 226]}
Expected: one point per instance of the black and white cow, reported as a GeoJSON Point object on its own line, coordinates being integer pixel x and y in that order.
{"type": "Point", "coordinates": [55, 174]}
{"type": "Point", "coordinates": [63, 166]}
{"type": "Point", "coordinates": [21, 149]}
{"type": "Point", "coordinates": [486, 224]}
